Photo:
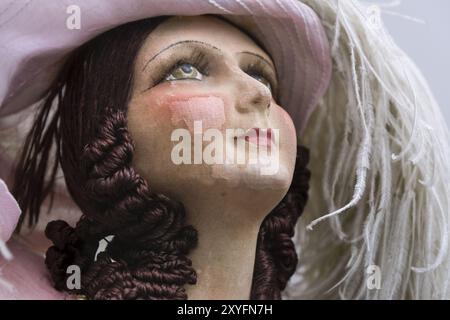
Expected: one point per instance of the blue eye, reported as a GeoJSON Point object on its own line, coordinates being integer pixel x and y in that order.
{"type": "Point", "coordinates": [262, 79]}
{"type": "Point", "coordinates": [187, 68]}
{"type": "Point", "coordinates": [183, 72]}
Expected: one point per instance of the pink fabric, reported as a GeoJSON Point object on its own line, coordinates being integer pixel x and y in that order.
{"type": "Point", "coordinates": [26, 278]}
{"type": "Point", "coordinates": [10, 212]}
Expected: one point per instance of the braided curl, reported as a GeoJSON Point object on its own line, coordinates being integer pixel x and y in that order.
{"type": "Point", "coordinates": [146, 258]}
{"type": "Point", "coordinates": [276, 258]}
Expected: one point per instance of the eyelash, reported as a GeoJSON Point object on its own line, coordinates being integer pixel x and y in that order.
{"type": "Point", "coordinates": [259, 68]}
{"type": "Point", "coordinates": [199, 60]}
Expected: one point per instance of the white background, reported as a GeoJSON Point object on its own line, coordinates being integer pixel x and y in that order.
{"type": "Point", "coordinates": [427, 44]}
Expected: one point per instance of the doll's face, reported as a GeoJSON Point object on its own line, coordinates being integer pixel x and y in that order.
{"type": "Point", "coordinates": [201, 82]}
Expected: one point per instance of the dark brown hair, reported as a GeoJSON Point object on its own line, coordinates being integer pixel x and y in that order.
{"type": "Point", "coordinates": [87, 135]}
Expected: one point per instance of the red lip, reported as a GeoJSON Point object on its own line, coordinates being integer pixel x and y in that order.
{"type": "Point", "coordinates": [260, 137]}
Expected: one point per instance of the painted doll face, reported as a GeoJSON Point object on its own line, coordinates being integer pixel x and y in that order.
{"type": "Point", "coordinates": [203, 114]}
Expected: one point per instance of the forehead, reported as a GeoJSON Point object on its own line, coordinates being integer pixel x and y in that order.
{"type": "Point", "coordinates": [208, 29]}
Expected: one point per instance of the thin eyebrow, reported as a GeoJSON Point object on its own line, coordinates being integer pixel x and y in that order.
{"type": "Point", "coordinates": [259, 56]}
{"type": "Point", "coordinates": [205, 44]}
{"type": "Point", "coordinates": [176, 44]}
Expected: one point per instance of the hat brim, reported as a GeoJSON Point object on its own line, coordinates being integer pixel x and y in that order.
{"type": "Point", "coordinates": [35, 40]}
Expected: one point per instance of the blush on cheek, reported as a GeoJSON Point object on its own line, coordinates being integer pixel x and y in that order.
{"type": "Point", "coordinates": [287, 120]}
{"type": "Point", "coordinates": [282, 120]}
{"type": "Point", "coordinates": [208, 109]}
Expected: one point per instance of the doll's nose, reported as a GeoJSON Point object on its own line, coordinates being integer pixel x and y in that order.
{"type": "Point", "coordinates": [252, 95]}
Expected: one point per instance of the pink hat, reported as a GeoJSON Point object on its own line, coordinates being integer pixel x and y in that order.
{"type": "Point", "coordinates": [9, 216]}
{"type": "Point", "coordinates": [35, 39]}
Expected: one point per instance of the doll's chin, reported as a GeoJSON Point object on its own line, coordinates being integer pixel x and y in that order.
{"type": "Point", "coordinates": [254, 177]}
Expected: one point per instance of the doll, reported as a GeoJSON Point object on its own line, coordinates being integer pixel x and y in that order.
{"type": "Point", "coordinates": [107, 167]}
{"type": "Point", "coordinates": [170, 72]}
{"type": "Point", "coordinates": [378, 187]}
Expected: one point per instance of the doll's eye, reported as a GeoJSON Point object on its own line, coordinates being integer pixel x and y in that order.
{"type": "Point", "coordinates": [261, 79]}
{"type": "Point", "coordinates": [183, 72]}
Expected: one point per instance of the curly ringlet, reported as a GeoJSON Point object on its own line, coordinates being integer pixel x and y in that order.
{"type": "Point", "coordinates": [87, 134]}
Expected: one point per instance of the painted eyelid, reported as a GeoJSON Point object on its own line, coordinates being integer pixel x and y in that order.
{"type": "Point", "coordinates": [254, 74]}
{"type": "Point", "coordinates": [184, 78]}
{"type": "Point", "coordinates": [173, 66]}
{"type": "Point", "coordinates": [177, 66]}
{"type": "Point", "coordinates": [259, 70]}
{"type": "Point", "coordinates": [196, 59]}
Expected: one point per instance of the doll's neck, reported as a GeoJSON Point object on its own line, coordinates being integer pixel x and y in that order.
{"type": "Point", "coordinates": [225, 256]}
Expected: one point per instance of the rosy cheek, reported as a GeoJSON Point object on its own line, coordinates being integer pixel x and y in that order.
{"type": "Point", "coordinates": [207, 109]}
{"type": "Point", "coordinates": [184, 109]}
{"type": "Point", "coordinates": [284, 122]}
{"type": "Point", "coordinates": [287, 120]}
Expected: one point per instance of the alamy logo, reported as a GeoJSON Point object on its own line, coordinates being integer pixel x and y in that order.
{"type": "Point", "coordinates": [373, 281]}
{"type": "Point", "coordinates": [262, 146]}
{"type": "Point", "coordinates": [374, 17]}
{"type": "Point", "coordinates": [73, 21]}
{"type": "Point", "coordinates": [73, 281]}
